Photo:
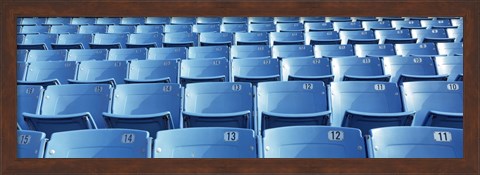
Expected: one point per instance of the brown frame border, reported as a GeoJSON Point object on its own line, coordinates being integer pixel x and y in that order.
{"type": "Point", "coordinates": [12, 9]}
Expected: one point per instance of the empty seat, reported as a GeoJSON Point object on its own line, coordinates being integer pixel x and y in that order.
{"type": "Point", "coordinates": [401, 36]}
{"type": "Point", "coordinates": [347, 26]}
{"type": "Point", "coordinates": [149, 29]}
{"type": "Point", "coordinates": [286, 19]}
{"type": "Point", "coordinates": [33, 21]}
{"type": "Point", "coordinates": [30, 144]}
{"type": "Point", "coordinates": [307, 69]}
{"type": "Point", "coordinates": [183, 20]}
{"type": "Point", "coordinates": [82, 21]}
{"type": "Point", "coordinates": [127, 54]}
{"type": "Point", "coordinates": [287, 38]}
{"type": "Point", "coordinates": [366, 105]}
{"type": "Point", "coordinates": [180, 39]}
{"type": "Point", "coordinates": [157, 20]}
{"type": "Point", "coordinates": [73, 41]}
{"type": "Point", "coordinates": [247, 38]}
{"type": "Point", "coordinates": [59, 29]}
{"type": "Point", "coordinates": [146, 106]}
{"type": "Point", "coordinates": [218, 104]}
{"type": "Point", "coordinates": [204, 70]}
{"type": "Point", "coordinates": [318, 26]}
{"type": "Point", "coordinates": [457, 22]}
{"type": "Point", "coordinates": [87, 54]}
{"type": "Point", "coordinates": [358, 37]}
{"type": "Point", "coordinates": [377, 25]}
{"type": "Point", "coordinates": [415, 142]}
{"type": "Point", "coordinates": [291, 51]}
{"type": "Point", "coordinates": [409, 68]}
{"type": "Point", "coordinates": [34, 29]}
{"type": "Point", "coordinates": [260, 20]}
{"type": "Point", "coordinates": [20, 38]}
{"type": "Point", "coordinates": [132, 21]}
{"type": "Point", "coordinates": [438, 104]}
{"type": "Point", "coordinates": [329, 51]}
{"type": "Point", "coordinates": [410, 24]}
{"type": "Point", "coordinates": [92, 29]}
{"type": "Point", "coordinates": [204, 28]}
{"type": "Point", "coordinates": [47, 55]}
{"type": "Point", "coordinates": [431, 35]}
{"type": "Point", "coordinates": [120, 29]}
{"type": "Point", "coordinates": [28, 100]}
{"type": "Point", "coordinates": [364, 18]}
{"type": "Point", "coordinates": [100, 143]}
{"type": "Point", "coordinates": [250, 51]}
{"type": "Point", "coordinates": [21, 67]}
{"type": "Point", "coordinates": [455, 33]}
{"type": "Point", "coordinates": [108, 21]}
{"type": "Point", "coordinates": [209, 20]}
{"type": "Point", "coordinates": [451, 66]}
{"type": "Point", "coordinates": [234, 20]}
{"type": "Point", "coordinates": [291, 103]}
{"type": "Point", "coordinates": [268, 27]}
{"type": "Point", "coordinates": [110, 72]}
{"type": "Point", "coordinates": [450, 49]}
{"type": "Point", "coordinates": [374, 50]}
{"type": "Point", "coordinates": [233, 28]}
{"type": "Point", "coordinates": [338, 19]}
{"type": "Point", "coordinates": [313, 142]}
{"type": "Point", "coordinates": [144, 40]}
{"type": "Point", "coordinates": [421, 49]}
{"type": "Point", "coordinates": [209, 52]}
{"type": "Point", "coordinates": [212, 142]}
{"type": "Point", "coordinates": [70, 107]}
{"type": "Point", "coordinates": [214, 39]}
{"type": "Point", "coordinates": [255, 70]}
{"type": "Point", "coordinates": [109, 41]}
{"type": "Point", "coordinates": [38, 42]}
{"type": "Point", "coordinates": [358, 69]}
{"type": "Point", "coordinates": [290, 27]}
{"type": "Point", "coordinates": [322, 38]}
{"type": "Point", "coordinates": [312, 19]}
{"type": "Point", "coordinates": [177, 53]}
{"type": "Point", "coordinates": [437, 23]}
{"type": "Point", "coordinates": [171, 28]}
{"type": "Point", "coordinates": [152, 71]}
{"type": "Point", "coordinates": [49, 73]}
{"type": "Point", "coordinates": [22, 55]}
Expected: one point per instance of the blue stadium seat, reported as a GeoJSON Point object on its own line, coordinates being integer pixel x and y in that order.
{"type": "Point", "coordinates": [157, 20]}
{"type": "Point", "coordinates": [347, 26]}
{"type": "Point", "coordinates": [421, 49]}
{"type": "Point", "coordinates": [149, 29]}
{"type": "Point", "coordinates": [418, 18]}
{"type": "Point", "coordinates": [318, 26]}
{"type": "Point", "coordinates": [22, 55]}
{"type": "Point", "coordinates": [409, 68]}
{"type": "Point", "coordinates": [312, 19]}
{"type": "Point", "coordinates": [48, 73]}
{"type": "Point", "coordinates": [177, 53]}
{"type": "Point", "coordinates": [260, 20]}
{"type": "Point", "coordinates": [132, 21]}
{"type": "Point", "coordinates": [255, 70]}
{"type": "Point", "coordinates": [234, 20]}
{"type": "Point", "coordinates": [33, 21]}
{"type": "Point", "coordinates": [144, 40]}
{"type": "Point", "coordinates": [410, 24]}
{"type": "Point", "coordinates": [211, 142]}
{"type": "Point", "coordinates": [268, 27]}
{"type": "Point", "coordinates": [358, 37]}
{"type": "Point", "coordinates": [205, 28]}
{"type": "Point", "coordinates": [377, 25]}
{"type": "Point", "coordinates": [60, 29]}
{"type": "Point", "coordinates": [30, 144]}
{"type": "Point", "coordinates": [437, 104]}
{"type": "Point", "coordinates": [21, 67]}
{"type": "Point", "coordinates": [292, 51]}
{"type": "Point", "coordinates": [153, 71]}
{"type": "Point", "coordinates": [209, 20]}
{"type": "Point", "coordinates": [307, 69]}
{"type": "Point", "coordinates": [87, 54]}
{"type": "Point", "coordinates": [171, 28]}
{"type": "Point", "coordinates": [401, 36]}
{"type": "Point", "coordinates": [20, 38]}
{"type": "Point", "coordinates": [100, 143]}
{"type": "Point", "coordinates": [455, 33]}
{"type": "Point", "coordinates": [290, 27]}
{"type": "Point", "coordinates": [291, 103]}
{"type": "Point", "coordinates": [34, 29]}
{"type": "Point", "coordinates": [437, 23]}
{"type": "Point", "coordinates": [70, 107]}
{"type": "Point", "coordinates": [391, 18]}
{"type": "Point", "coordinates": [46, 55]}
{"type": "Point", "coordinates": [108, 72]}
{"type": "Point", "coordinates": [92, 29]}
{"type": "Point", "coordinates": [218, 104]}
{"type": "Point", "coordinates": [451, 66]}
{"type": "Point", "coordinates": [247, 38]}
{"type": "Point", "coordinates": [109, 41]}
{"type": "Point", "coordinates": [38, 42]}
{"type": "Point", "coordinates": [180, 39]}
{"type": "Point", "coordinates": [127, 54]}
{"type": "Point", "coordinates": [82, 21]}
{"type": "Point", "coordinates": [374, 50]}
{"type": "Point", "coordinates": [366, 105]}
{"type": "Point", "coordinates": [73, 41]}
{"type": "Point", "coordinates": [183, 20]}
{"type": "Point", "coordinates": [313, 142]}
{"type": "Point", "coordinates": [108, 21]}
{"type": "Point", "coordinates": [250, 51]}
{"type": "Point", "coordinates": [457, 22]}
{"type": "Point", "coordinates": [364, 18]}
{"type": "Point", "coordinates": [329, 51]}
{"type": "Point", "coordinates": [286, 19]}
{"type": "Point", "coordinates": [234, 28]}
{"type": "Point", "coordinates": [287, 38]}
{"type": "Point", "coordinates": [358, 69]}
{"type": "Point", "coordinates": [450, 49]}
{"type": "Point", "coordinates": [322, 38]}
{"type": "Point", "coordinates": [338, 19]}
{"type": "Point", "coordinates": [120, 29]}
{"type": "Point", "coordinates": [415, 142]}
{"type": "Point", "coordinates": [209, 52]}
{"type": "Point", "coordinates": [215, 39]}
{"type": "Point", "coordinates": [28, 100]}
{"type": "Point", "coordinates": [431, 35]}
{"type": "Point", "coordinates": [204, 70]}
{"type": "Point", "coordinates": [146, 106]}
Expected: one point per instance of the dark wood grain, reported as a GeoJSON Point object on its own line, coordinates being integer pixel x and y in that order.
{"type": "Point", "coordinates": [12, 9]}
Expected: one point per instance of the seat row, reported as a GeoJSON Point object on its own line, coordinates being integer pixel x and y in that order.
{"type": "Point", "coordinates": [219, 142]}
{"type": "Point", "coordinates": [163, 106]}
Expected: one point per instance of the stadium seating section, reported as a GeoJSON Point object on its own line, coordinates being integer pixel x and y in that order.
{"type": "Point", "coordinates": [240, 87]}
